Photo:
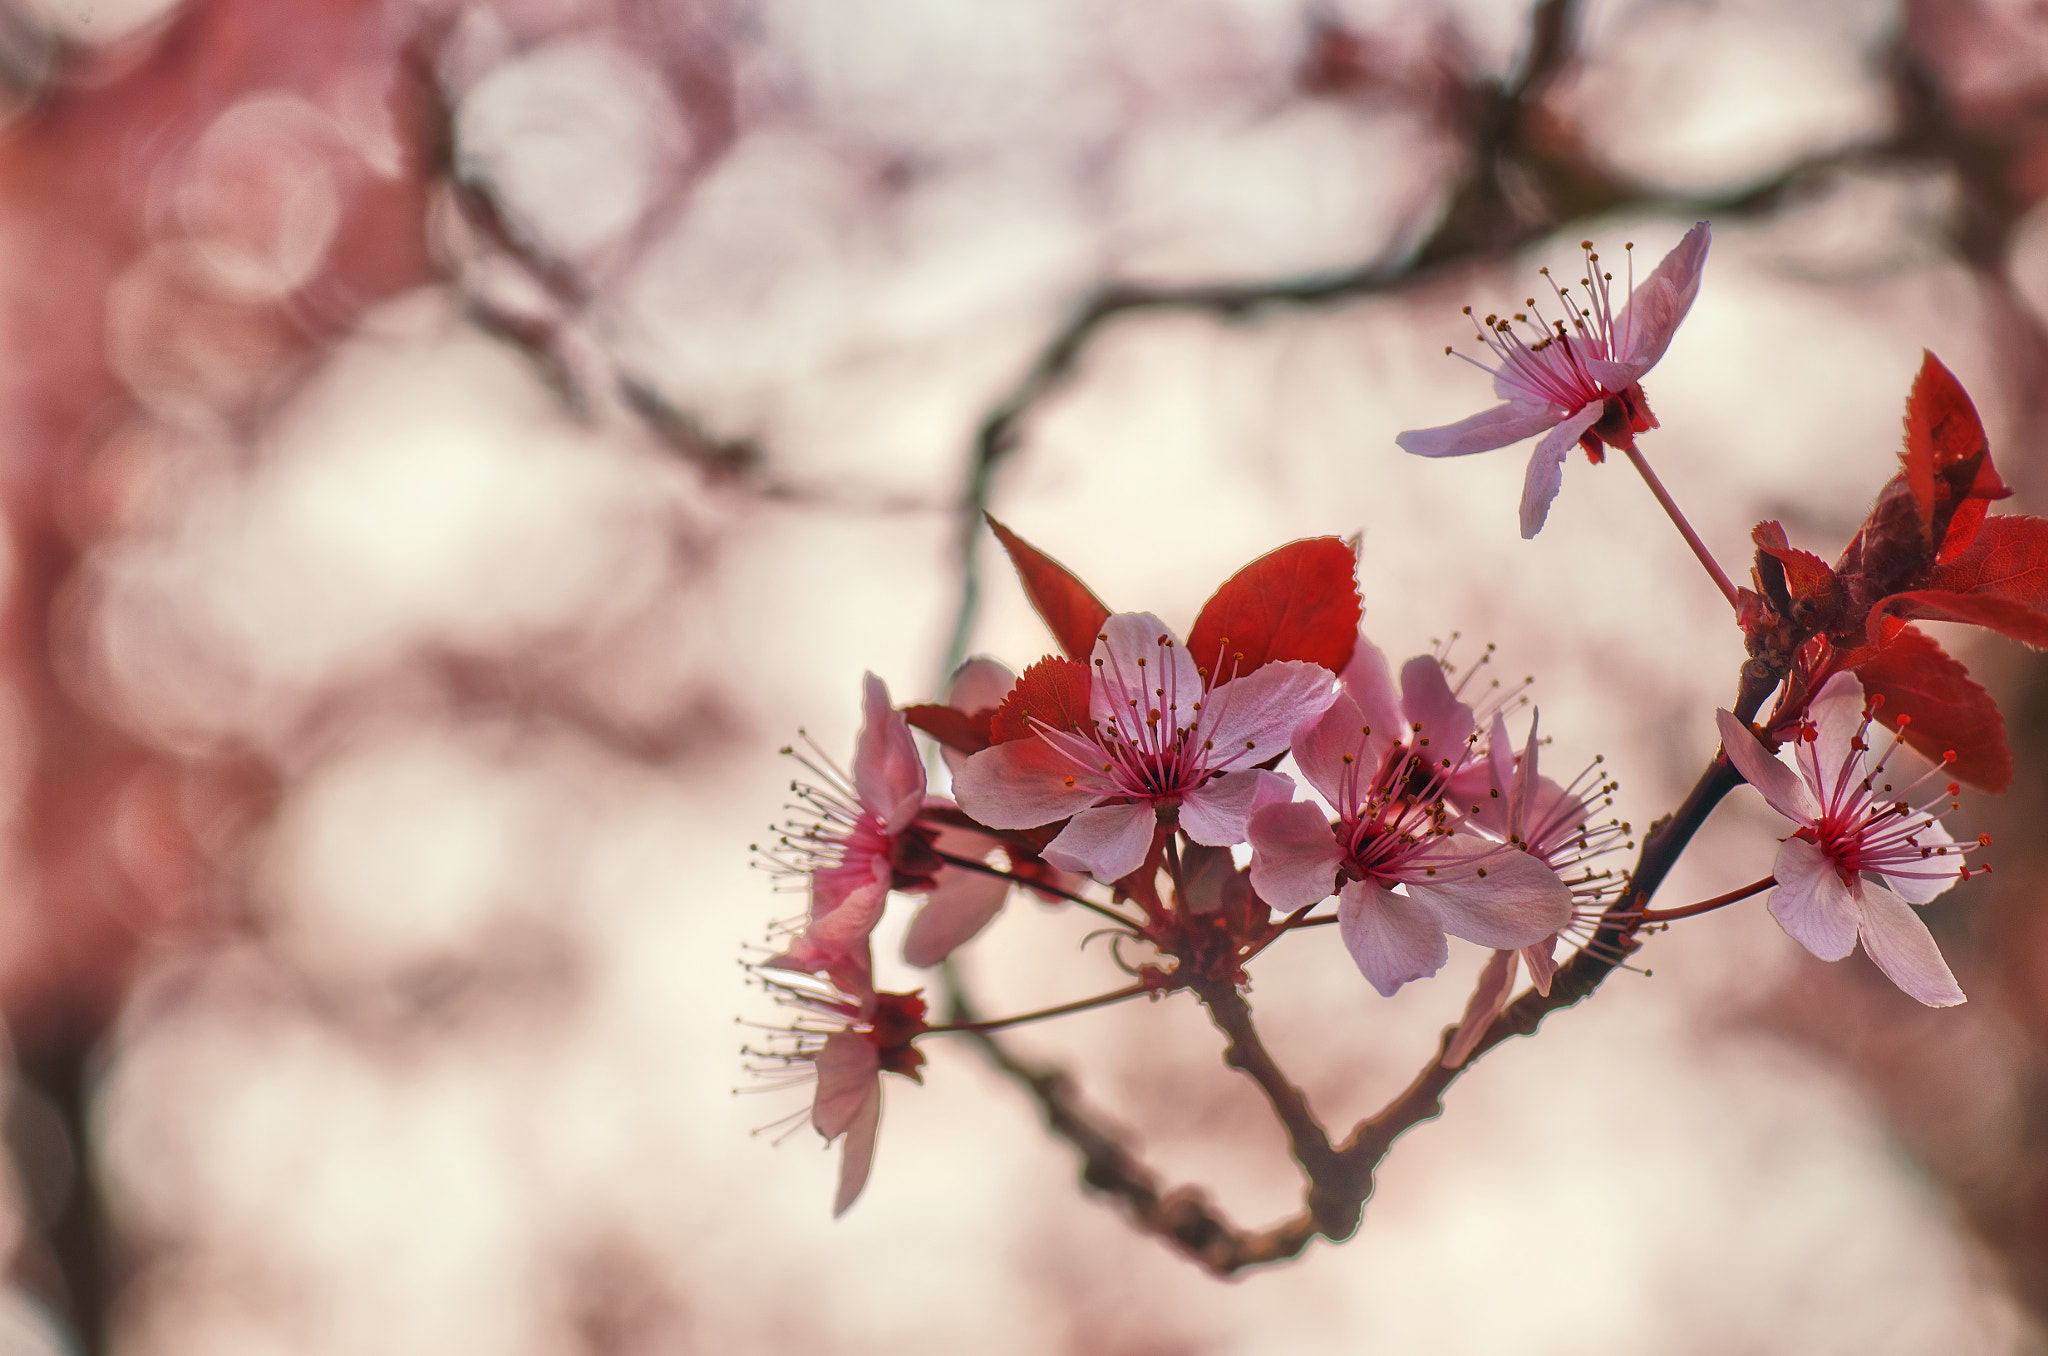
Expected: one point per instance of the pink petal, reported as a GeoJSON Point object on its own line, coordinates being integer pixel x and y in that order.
{"type": "Point", "coordinates": [1931, 876]}
{"type": "Point", "coordinates": [1895, 938]}
{"type": "Point", "coordinates": [1812, 902]}
{"type": "Point", "coordinates": [1541, 958]}
{"type": "Point", "coordinates": [1837, 714]}
{"type": "Point", "coordinates": [1615, 377]}
{"type": "Point", "coordinates": [1334, 747]}
{"type": "Point", "coordinates": [1215, 812]}
{"type": "Point", "coordinates": [849, 1069]}
{"type": "Point", "coordinates": [836, 932]}
{"type": "Point", "coordinates": [1489, 999]}
{"type": "Point", "coordinates": [1393, 939]}
{"type": "Point", "coordinates": [1370, 681]}
{"type": "Point", "coordinates": [1135, 672]}
{"type": "Point", "coordinates": [1546, 467]}
{"type": "Point", "coordinates": [1442, 722]}
{"type": "Point", "coordinates": [1489, 893]}
{"type": "Point", "coordinates": [1782, 788]}
{"type": "Point", "coordinates": [961, 903]}
{"type": "Point", "coordinates": [858, 1157]}
{"type": "Point", "coordinates": [1109, 842]}
{"type": "Point", "coordinates": [978, 684]}
{"type": "Point", "coordinates": [1482, 432]}
{"type": "Point", "coordinates": [1249, 719]}
{"type": "Point", "coordinates": [1644, 328]}
{"type": "Point", "coordinates": [1522, 791]}
{"type": "Point", "coordinates": [887, 773]}
{"type": "Point", "coordinates": [1020, 785]}
{"type": "Point", "coordinates": [1294, 854]}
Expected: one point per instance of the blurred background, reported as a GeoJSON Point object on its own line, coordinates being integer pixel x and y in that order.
{"type": "Point", "coordinates": [445, 449]}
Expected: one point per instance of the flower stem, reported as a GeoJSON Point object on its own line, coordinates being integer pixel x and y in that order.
{"type": "Point", "coordinates": [1080, 1005]}
{"type": "Point", "coordinates": [969, 864]}
{"type": "Point", "coordinates": [1692, 538]}
{"type": "Point", "coordinates": [1707, 905]}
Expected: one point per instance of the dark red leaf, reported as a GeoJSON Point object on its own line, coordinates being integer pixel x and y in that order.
{"type": "Point", "coordinates": [1798, 583]}
{"type": "Point", "coordinates": [1053, 691]}
{"type": "Point", "coordinates": [1949, 710]}
{"type": "Point", "coordinates": [1073, 614]}
{"type": "Point", "coordinates": [961, 731]}
{"type": "Point", "coordinates": [1946, 457]}
{"type": "Point", "coordinates": [2008, 559]}
{"type": "Point", "coordinates": [1977, 609]}
{"type": "Point", "coordinates": [1299, 602]}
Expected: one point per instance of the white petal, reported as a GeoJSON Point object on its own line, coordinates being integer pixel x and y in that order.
{"type": "Point", "coordinates": [1782, 788]}
{"type": "Point", "coordinates": [1837, 714]}
{"type": "Point", "coordinates": [1482, 432]}
{"type": "Point", "coordinates": [1393, 939]}
{"type": "Point", "coordinates": [1108, 842]}
{"type": "Point", "coordinates": [1546, 467]}
{"type": "Point", "coordinates": [1813, 903]}
{"type": "Point", "coordinates": [1895, 938]}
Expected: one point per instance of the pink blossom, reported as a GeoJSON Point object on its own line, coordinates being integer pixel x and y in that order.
{"type": "Point", "coordinates": [1550, 822]}
{"type": "Point", "coordinates": [858, 838]}
{"type": "Point", "coordinates": [1862, 852]}
{"type": "Point", "coordinates": [1159, 741]}
{"type": "Point", "coordinates": [846, 1041]}
{"type": "Point", "coordinates": [1579, 378]}
{"type": "Point", "coordinates": [1405, 874]}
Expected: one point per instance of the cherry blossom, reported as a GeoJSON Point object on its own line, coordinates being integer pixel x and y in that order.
{"type": "Point", "coordinates": [1158, 740]}
{"type": "Point", "coordinates": [846, 1041]}
{"type": "Point", "coordinates": [1579, 377]}
{"type": "Point", "coordinates": [859, 837]}
{"type": "Point", "coordinates": [1862, 852]}
{"type": "Point", "coordinates": [1405, 874]}
{"type": "Point", "coordinates": [1550, 822]}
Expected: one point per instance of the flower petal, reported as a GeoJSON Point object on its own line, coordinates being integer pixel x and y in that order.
{"type": "Point", "coordinates": [961, 904]}
{"type": "Point", "coordinates": [1294, 854]}
{"type": "Point", "coordinates": [1370, 681]}
{"type": "Point", "coordinates": [978, 684]}
{"type": "Point", "coordinates": [1782, 788]}
{"type": "Point", "coordinates": [887, 773]}
{"type": "Point", "coordinates": [1837, 715]}
{"type": "Point", "coordinates": [1644, 328]}
{"type": "Point", "coordinates": [1109, 842]}
{"type": "Point", "coordinates": [1541, 958]}
{"type": "Point", "coordinates": [1482, 432]}
{"type": "Point", "coordinates": [1895, 938]}
{"type": "Point", "coordinates": [1332, 750]}
{"type": "Point", "coordinates": [1020, 785]}
{"type": "Point", "coordinates": [1392, 938]}
{"type": "Point", "coordinates": [849, 1069]}
{"type": "Point", "coordinates": [858, 1157]}
{"type": "Point", "coordinates": [1546, 467]}
{"type": "Point", "coordinates": [1489, 893]}
{"type": "Point", "coordinates": [836, 931]}
{"type": "Point", "coordinates": [1615, 377]}
{"type": "Point", "coordinates": [1813, 903]}
{"type": "Point", "coordinates": [1249, 719]}
{"type": "Point", "coordinates": [1139, 665]}
{"type": "Point", "coordinates": [1215, 812]}
{"type": "Point", "coordinates": [1442, 722]}
{"type": "Point", "coordinates": [1489, 998]}
{"type": "Point", "coordinates": [1930, 877]}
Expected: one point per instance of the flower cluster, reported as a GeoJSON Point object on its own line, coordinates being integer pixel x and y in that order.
{"type": "Point", "coordinates": [1203, 796]}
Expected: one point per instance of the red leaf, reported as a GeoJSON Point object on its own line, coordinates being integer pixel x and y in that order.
{"type": "Point", "coordinates": [1947, 460]}
{"type": "Point", "coordinates": [1073, 614]}
{"type": "Point", "coordinates": [2008, 559]}
{"type": "Point", "coordinates": [1053, 691]}
{"type": "Point", "coordinates": [961, 731]}
{"type": "Point", "coordinates": [1977, 609]}
{"type": "Point", "coordinates": [1299, 602]}
{"type": "Point", "coordinates": [1949, 710]}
